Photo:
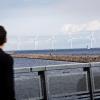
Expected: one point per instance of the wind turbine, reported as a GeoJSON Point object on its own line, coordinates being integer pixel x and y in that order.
{"type": "Point", "coordinates": [51, 39]}
{"type": "Point", "coordinates": [18, 44]}
{"type": "Point", "coordinates": [71, 40]}
{"type": "Point", "coordinates": [71, 43]}
{"type": "Point", "coordinates": [35, 42]}
{"type": "Point", "coordinates": [92, 39]}
{"type": "Point", "coordinates": [53, 42]}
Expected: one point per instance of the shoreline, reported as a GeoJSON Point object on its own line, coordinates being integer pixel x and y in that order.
{"type": "Point", "coordinates": [69, 58]}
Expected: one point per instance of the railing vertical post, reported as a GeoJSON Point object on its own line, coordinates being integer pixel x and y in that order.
{"type": "Point", "coordinates": [43, 84]}
{"type": "Point", "coordinates": [90, 81]}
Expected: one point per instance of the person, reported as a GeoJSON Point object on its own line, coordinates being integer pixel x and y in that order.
{"type": "Point", "coordinates": [6, 70]}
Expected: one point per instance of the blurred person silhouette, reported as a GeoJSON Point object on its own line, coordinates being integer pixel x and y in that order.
{"type": "Point", "coordinates": [7, 91]}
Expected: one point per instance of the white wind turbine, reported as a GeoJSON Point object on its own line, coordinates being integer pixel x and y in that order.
{"type": "Point", "coordinates": [35, 42]}
{"type": "Point", "coordinates": [18, 43]}
{"type": "Point", "coordinates": [92, 39]}
{"type": "Point", "coordinates": [71, 40]}
{"type": "Point", "coordinates": [71, 30]}
{"type": "Point", "coordinates": [71, 43]}
{"type": "Point", "coordinates": [29, 41]}
{"type": "Point", "coordinates": [52, 41]}
{"type": "Point", "coordinates": [44, 39]}
{"type": "Point", "coordinates": [93, 26]}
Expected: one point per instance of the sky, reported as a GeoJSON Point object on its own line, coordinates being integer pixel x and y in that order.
{"type": "Point", "coordinates": [50, 24]}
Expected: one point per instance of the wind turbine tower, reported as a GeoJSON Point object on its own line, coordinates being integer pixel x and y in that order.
{"type": "Point", "coordinates": [91, 39]}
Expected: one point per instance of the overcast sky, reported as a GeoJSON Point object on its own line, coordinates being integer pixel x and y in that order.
{"type": "Point", "coordinates": [69, 21]}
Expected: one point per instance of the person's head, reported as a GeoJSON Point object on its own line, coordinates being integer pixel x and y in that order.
{"type": "Point", "coordinates": [2, 35]}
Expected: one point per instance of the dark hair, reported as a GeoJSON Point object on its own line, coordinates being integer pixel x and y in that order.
{"type": "Point", "coordinates": [2, 35]}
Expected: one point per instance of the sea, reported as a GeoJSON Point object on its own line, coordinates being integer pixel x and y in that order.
{"type": "Point", "coordinates": [25, 62]}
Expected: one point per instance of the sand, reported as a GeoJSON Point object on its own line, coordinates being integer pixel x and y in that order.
{"type": "Point", "coordinates": [69, 58]}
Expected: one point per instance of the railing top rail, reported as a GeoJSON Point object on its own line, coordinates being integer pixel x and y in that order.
{"type": "Point", "coordinates": [51, 67]}
{"type": "Point", "coordinates": [95, 64]}
{"type": "Point", "coordinates": [29, 69]}
{"type": "Point", "coordinates": [67, 66]}
{"type": "Point", "coordinates": [56, 67]}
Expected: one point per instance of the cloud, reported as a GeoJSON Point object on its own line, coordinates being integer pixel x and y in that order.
{"type": "Point", "coordinates": [89, 26]}
{"type": "Point", "coordinates": [93, 25]}
{"type": "Point", "coordinates": [73, 27]}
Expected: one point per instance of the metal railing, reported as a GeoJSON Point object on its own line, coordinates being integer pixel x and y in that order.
{"type": "Point", "coordinates": [79, 81]}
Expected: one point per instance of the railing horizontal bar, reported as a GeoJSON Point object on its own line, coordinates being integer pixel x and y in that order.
{"type": "Point", "coordinates": [51, 67]}
{"type": "Point", "coordinates": [35, 98]}
{"type": "Point", "coordinates": [29, 69]}
{"type": "Point", "coordinates": [67, 66]}
{"type": "Point", "coordinates": [71, 94]}
{"type": "Point", "coordinates": [67, 74]}
{"type": "Point", "coordinates": [95, 64]}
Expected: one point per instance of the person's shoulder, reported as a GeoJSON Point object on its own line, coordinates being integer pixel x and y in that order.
{"type": "Point", "coordinates": [5, 58]}
{"type": "Point", "coordinates": [8, 56]}
{"type": "Point", "coordinates": [8, 60]}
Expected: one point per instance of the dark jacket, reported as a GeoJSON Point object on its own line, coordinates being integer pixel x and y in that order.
{"type": "Point", "coordinates": [6, 77]}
